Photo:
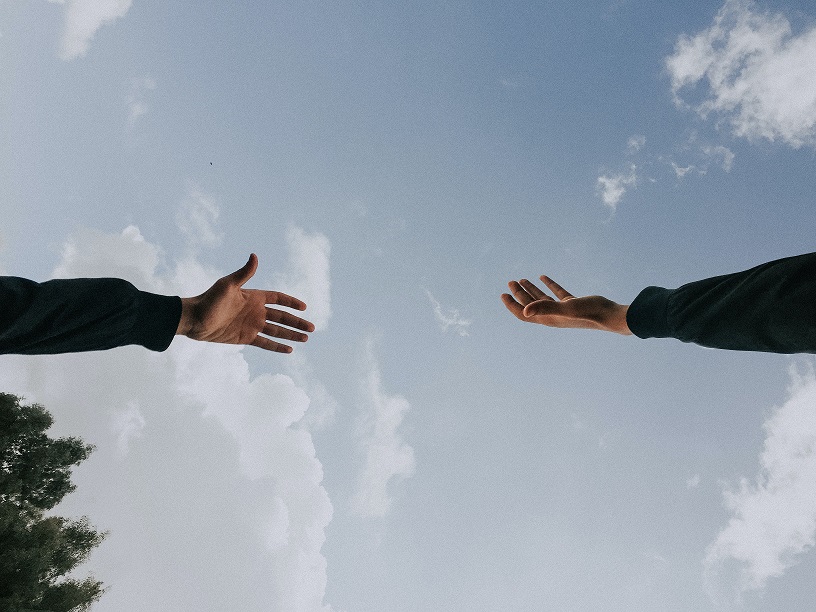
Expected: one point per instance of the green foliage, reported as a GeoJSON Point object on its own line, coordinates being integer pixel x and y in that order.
{"type": "Point", "coordinates": [36, 551]}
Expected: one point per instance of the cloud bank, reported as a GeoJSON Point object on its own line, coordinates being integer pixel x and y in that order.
{"type": "Point", "coordinates": [207, 478]}
{"type": "Point", "coordinates": [386, 456]}
{"type": "Point", "coordinates": [774, 517]}
{"type": "Point", "coordinates": [753, 72]}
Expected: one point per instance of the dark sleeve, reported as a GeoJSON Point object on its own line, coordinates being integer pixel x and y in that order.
{"type": "Point", "coordinates": [770, 308]}
{"type": "Point", "coordinates": [83, 314]}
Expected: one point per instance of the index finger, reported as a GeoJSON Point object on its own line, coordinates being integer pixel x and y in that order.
{"type": "Point", "coordinates": [513, 306]}
{"type": "Point", "coordinates": [283, 299]}
{"type": "Point", "coordinates": [558, 290]}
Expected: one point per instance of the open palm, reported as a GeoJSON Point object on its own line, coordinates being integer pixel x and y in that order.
{"type": "Point", "coordinates": [229, 314]}
{"type": "Point", "coordinates": [531, 304]}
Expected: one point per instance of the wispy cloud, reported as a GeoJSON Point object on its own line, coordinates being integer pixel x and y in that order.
{"type": "Point", "coordinates": [612, 187]}
{"type": "Point", "coordinates": [127, 424]}
{"type": "Point", "coordinates": [753, 72]}
{"type": "Point", "coordinates": [681, 171]}
{"type": "Point", "coordinates": [82, 19]}
{"type": "Point", "coordinates": [137, 103]}
{"type": "Point", "coordinates": [774, 517]}
{"type": "Point", "coordinates": [386, 457]}
{"type": "Point", "coordinates": [635, 143]}
{"type": "Point", "coordinates": [721, 154]}
{"type": "Point", "coordinates": [449, 317]}
{"type": "Point", "coordinates": [197, 218]}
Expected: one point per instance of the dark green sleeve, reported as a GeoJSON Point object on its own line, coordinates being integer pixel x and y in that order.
{"type": "Point", "coordinates": [82, 314]}
{"type": "Point", "coordinates": [770, 308]}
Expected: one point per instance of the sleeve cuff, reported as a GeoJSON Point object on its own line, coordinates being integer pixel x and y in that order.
{"type": "Point", "coordinates": [647, 314]}
{"type": "Point", "coordinates": [157, 320]}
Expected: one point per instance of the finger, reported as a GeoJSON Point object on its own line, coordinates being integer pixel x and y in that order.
{"type": "Point", "coordinates": [283, 299]}
{"type": "Point", "coordinates": [270, 345]}
{"type": "Point", "coordinates": [241, 276]}
{"type": "Point", "coordinates": [276, 331]}
{"type": "Point", "coordinates": [557, 289]}
{"type": "Point", "coordinates": [288, 319]}
{"type": "Point", "coordinates": [520, 293]}
{"type": "Point", "coordinates": [533, 291]}
{"type": "Point", "coordinates": [513, 306]}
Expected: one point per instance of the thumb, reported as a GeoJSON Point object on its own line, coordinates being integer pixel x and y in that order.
{"type": "Point", "coordinates": [241, 276]}
{"type": "Point", "coordinates": [541, 307]}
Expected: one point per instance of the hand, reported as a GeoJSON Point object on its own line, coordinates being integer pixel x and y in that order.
{"type": "Point", "coordinates": [228, 314]}
{"type": "Point", "coordinates": [531, 304]}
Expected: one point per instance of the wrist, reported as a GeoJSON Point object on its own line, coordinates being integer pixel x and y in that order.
{"type": "Point", "coordinates": [187, 316]}
{"type": "Point", "coordinates": [618, 322]}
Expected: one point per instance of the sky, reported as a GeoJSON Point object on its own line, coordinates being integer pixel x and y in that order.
{"type": "Point", "coordinates": [394, 165]}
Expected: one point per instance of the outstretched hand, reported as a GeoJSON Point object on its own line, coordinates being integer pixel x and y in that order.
{"type": "Point", "coordinates": [531, 304]}
{"type": "Point", "coordinates": [228, 314]}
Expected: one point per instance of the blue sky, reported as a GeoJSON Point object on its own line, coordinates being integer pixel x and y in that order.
{"type": "Point", "coordinates": [395, 166]}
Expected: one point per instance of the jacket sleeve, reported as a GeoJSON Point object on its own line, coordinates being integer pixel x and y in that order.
{"type": "Point", "coordinates": [770, 308]}
{"type": "Point", "coordinates": [82, 314]}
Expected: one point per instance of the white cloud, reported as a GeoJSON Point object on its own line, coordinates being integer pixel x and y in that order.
{"type": "Point", "coordinates": [197, 218]}
{"type": "Point", "coordinates": [693, 482]}
{"type": "Point", "coordinates": [722, 153]}
{"type": "Point", "coordinates": [127, 425]}
{"type": "Point", "coordinates": [449, 318]}
{"type": "Point", "coordinates": [386, 456]}
{"type": "Point", "coordinates": [219, 475]}
{"type": "Point", "coordinates": [774, 517]}
{"type": "Point", "coordinates": [137, 98]}
{"type": "Point", "coordinates": [753, 71]}
{"type": "Point", "coordinates": [681, 172]}
{"type": "Point", "coordinates": [635, 143]}
{"type": "Point", "coordinates": [307, 274]}
{"type": "Point", "coordinates": [83, 18]}
{"type": "Point", "coordinates": [611, 188]}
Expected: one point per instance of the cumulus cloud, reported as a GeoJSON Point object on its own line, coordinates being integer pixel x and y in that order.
{"type": "Point", "coordinates": [753, 71]}
{"type": "Point", "coordinates": [774, 516]}
{"type": "Point", "coordinates": [307, 273]}
{"type": "Point", "coordinates": [448, 318]}
{"type": "Point", "coordinates": [82, 19]}
{"type": "Point", "coordinates": [612, 187]}
{"type": "Point", "coordinates": [386, 457]}
{"type": "Point", "coordinates": [137, 97]}
{"type": "Point", "coordinates": [197, 218]}
{"type": "Point", "coordinates": [206, 477]}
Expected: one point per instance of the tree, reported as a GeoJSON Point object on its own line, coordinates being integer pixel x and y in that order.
{"type": "Point", "coordinates": [37, 551]}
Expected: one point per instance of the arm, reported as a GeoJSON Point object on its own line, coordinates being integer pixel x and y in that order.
{"type": "Point", "coordinates": [770, 308]}
{"type": "Point", "coordinates": [82, 314]}
{"type": "Point", "coordinates": [91, 314]}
